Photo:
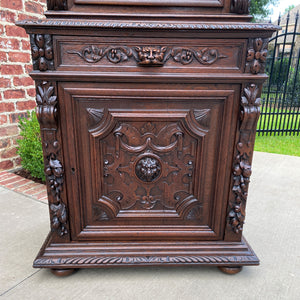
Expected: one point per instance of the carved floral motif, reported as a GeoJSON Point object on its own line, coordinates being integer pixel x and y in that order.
{"type": "Point", "coordinates": [149, 55]}
{"type": "Point", "coordinates": [42, 52]}
{"type": "Point", "coordinates": [47, 115]}
{"type": "Point", "coordinates": [242, 164]}
{"type": "Point", "coordinates": [257, 55]}
{"type": "Point", "coordinates": [240, 6]}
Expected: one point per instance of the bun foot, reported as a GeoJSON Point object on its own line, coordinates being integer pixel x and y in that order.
{"type": "Point", "coordinates": [231, 270]}
{"type": "Point", "coordinates": [63, 272]}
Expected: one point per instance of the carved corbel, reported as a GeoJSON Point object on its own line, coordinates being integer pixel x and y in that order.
{"type": "Point", "coordinates": [46, 111]}
{"type": "Point", "coordinates": [250, 111]}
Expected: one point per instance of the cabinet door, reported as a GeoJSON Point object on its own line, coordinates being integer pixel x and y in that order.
{"type": "Point", "coordinates": [147, 161]}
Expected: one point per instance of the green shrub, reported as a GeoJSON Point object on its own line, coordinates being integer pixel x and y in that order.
{"type": "Point", "coordinates": [30, 146]}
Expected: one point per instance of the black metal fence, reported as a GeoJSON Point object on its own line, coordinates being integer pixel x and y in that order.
{"type": "Point", "coordinates": [280, 111]}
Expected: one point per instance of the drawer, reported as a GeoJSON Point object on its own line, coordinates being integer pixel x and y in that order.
{"type": "Point", "coordinates": [155, 55]}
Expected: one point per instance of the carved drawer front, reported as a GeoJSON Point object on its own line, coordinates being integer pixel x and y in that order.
{"type": "Point", "coordinates": [151, 162]}
{"type": "Point", "coordinates": [138, 54]}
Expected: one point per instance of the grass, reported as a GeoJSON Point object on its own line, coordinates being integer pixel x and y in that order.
{"type": "Point", "coordinates": [279, 118]}
{"type": "Point", "coordinates": [288, 145]}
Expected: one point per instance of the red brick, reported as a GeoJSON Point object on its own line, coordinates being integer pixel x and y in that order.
{"type": "Point", "coordinates": [28, 68]}
{"type": "Point", "coordinates": [40, 195]}
{"type": "Point", "coordinates": [8, 153]}
{"type": "Point", "coordinates": [9, 130]}
{"type": "Point", "coordinates": [12, 30]}
{"type": "Point", "coordinates": [14, 94]}
{"type": "Point", "coordinates": [3, 119]}
{"type": "Point", "coordinates": [9, 43]}
{"type": "Point", "coordinates": [33, 7]}
{"type": "Point", "coordinates": [10, 179]}
{"type": "Point", "coordinates": [1, 29]}
{"type": "Point", "coordinates": [6, 165]}
{"type": "Point", "coordinates": [13, 4]}
{"type": "Point", "coordinates": [4, 175]}
{"type": "Point", "coordinates": [14, 117]}
{"type": "Point", "coordinates": [19, 57]}
{"type": "Point", "coordinates": [18, 182]}
{"type": "Point", "coordinates": [7, 16]}
{"type": "Point", "coordinates": [26, 187]}
{"type": "Point", "coordinates": [22, 16]}
{"type": "Point", "coordinates": [5, 83]}
{"type": "Point", "coordinates": [25, 105]}
{"type": "Point", "coordinates": [5, 143]}
{"type": "Point", "coordinates": [26, 45]}
{"type": "Point", "coordinates": [3, 56]}
{"type": "Point", "coordinates": [11, 70]}
{"type": "Point", "coordinates": [6, 107]}
{"type": "Point", "coordinates": [31, 92]}
{"type": "Point", "coordinates": [36, 190]}
{"type": "Point", "coordinates": [23, 81]}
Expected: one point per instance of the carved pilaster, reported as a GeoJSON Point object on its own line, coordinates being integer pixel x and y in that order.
{"type": "Point", "coordinates": [257, 55]}
{"type": "Point", "coordinates": [42, 51]}
{"type": "Point", "coordinates": [46, 111]}
{"type": "Point", "coordinates": [57, 4]}
{"type": "Point", "coordinates": [240, 6]}
{"type": "Point", "coordinates": [250, 111]}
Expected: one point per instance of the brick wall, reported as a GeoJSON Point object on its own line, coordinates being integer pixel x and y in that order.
{"type": "Point", "coordinates": [17, 91]}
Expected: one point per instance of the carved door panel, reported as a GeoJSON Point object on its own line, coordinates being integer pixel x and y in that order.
{"type": "Point", "coordinates": [150, 162]}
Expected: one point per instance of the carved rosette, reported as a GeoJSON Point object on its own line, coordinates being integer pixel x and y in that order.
{"type": "Point", "coordinates": [57, 4]}
{"type": "Point", "coordinates": [240, 6]}
{"type": "Point", "coordinates": [46, 111]}
{"type": "Point", "coordinates": [149, 55]}
{"type": "Point", "coordinates": [257, 55]}
{"type": "Point", "coordinates": [250, 111]}
{"type": "Point", "coordinates": [42, 52]}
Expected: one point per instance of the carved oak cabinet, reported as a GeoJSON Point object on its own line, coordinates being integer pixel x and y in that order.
{"type": "Point", "coordinates": [148, 112]}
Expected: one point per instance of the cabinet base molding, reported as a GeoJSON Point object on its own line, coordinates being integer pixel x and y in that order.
{"type": "Point", "coordinates": [230, 256]}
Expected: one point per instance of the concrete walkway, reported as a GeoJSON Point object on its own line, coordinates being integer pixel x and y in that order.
{"type": "Point", "coordinates": [272, 228]}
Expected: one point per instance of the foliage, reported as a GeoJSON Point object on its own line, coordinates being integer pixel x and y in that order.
{"type": "Point", "coordinates": [260, 8]}
{"type": "Point", "coordinates": [288, 145]}
{"type": "Point", "coordinates": [289, 8]}
{"type": "Point", "coordinates": [30, 146]}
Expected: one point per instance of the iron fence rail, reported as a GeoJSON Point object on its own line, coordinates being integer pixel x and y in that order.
{"type": "Point", "coordinates": [280, 111]}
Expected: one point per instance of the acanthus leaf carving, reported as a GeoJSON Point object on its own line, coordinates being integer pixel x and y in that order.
{"type": "Point", "coordinates": [257, 55]}
{"type": "Point", "coordinates": [148, 55]}
{"type": "Point", "coordinates": [46, 110]}
{"type": "Point", "coordinates": [42, 52]}
{"type": "Point", "coordinates": [250, 112]}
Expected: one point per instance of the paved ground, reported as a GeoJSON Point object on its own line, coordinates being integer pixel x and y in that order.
{"type": "Point", "coordinates": [272, 229]}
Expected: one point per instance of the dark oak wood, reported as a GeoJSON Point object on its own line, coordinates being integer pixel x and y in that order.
{"type": "Point", "coordinates": [148, 115]}
{"type": "Point", "coordinates": [231, 270]}
{"type": "Point", "coordinates": [63, 272]}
